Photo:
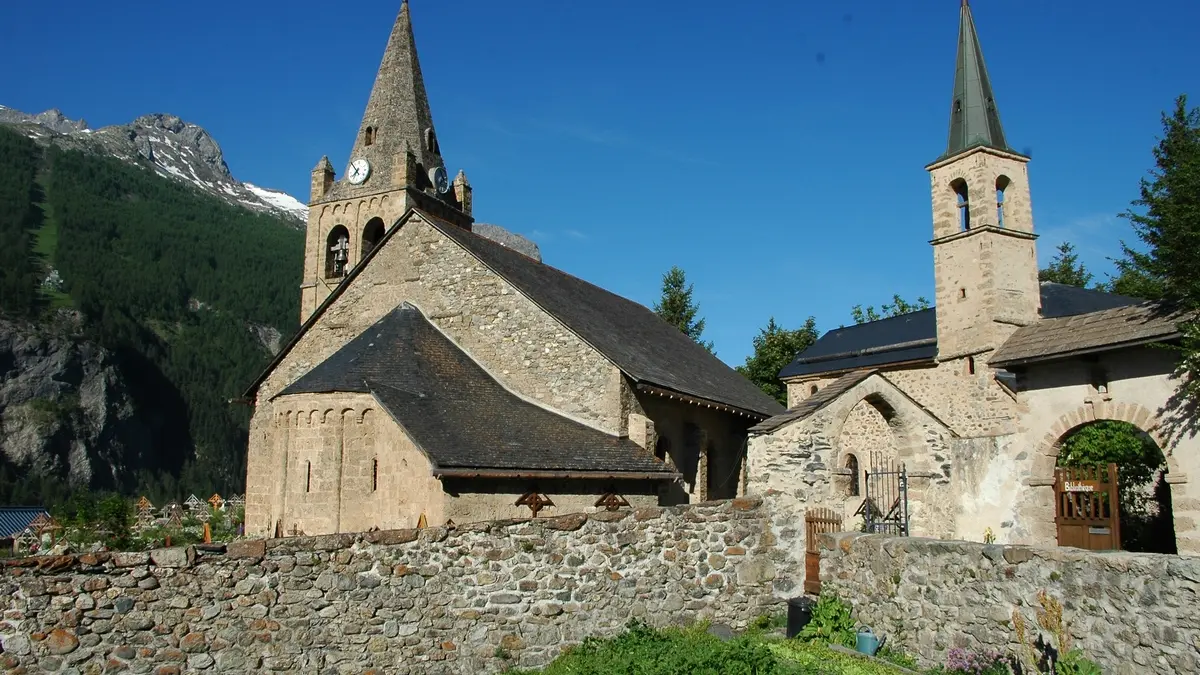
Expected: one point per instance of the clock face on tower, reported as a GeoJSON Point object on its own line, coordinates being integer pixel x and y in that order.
{"type": "Point", "coordinates": [439, 178]}
{"type": "Point", "coordinates": [359, 170]}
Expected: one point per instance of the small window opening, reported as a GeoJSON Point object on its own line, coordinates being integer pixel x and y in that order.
{"type": "Point", "coordinates": [372, 235]}
{"type": "Point", "coordinates": [970, 365]}
{"type": "Point", "coordinates": [957, 105]}
{"type": "Point", "coordinates": [431, 142]}
{"type": "Point", "coordinates": [852, 466]}
{"type": "Point", "coordinates": [661, 447]}
{"type": "Point", "coordinates": [812, 391]}
{"type": "Point", "coordinates": [962, 293]}
{"type": "Point", "coordinates": [308, 478]}
{"type": "Point", "coordinates": [374, 474]}
{"type": "Point", "coordinates": [1100, 381]}
{"type": "Point", "coordinates": [337, 252]}
{"type": "Point", "coordinates": [369, 136]}
{"type": "Point", "coordinates": [964, 204]}
{"type": "Point", "coordinates": [1001, 186]}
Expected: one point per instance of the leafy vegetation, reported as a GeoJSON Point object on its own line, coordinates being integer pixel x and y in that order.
{"type": "Point", "coordinates": [642, 650]}
{"type": "Point", "coordinates": [19, 218]}
{"type": "Point", "coordinates": [170, 280]}
{"type": "Point", "coordinates": [677, 308]}
{"type": "Point", "coordinates": [898, 307]}
{"type": "Point", "coordinates": [831, 623]}
{"type": "Point", "coordinates": [1065, 268]}
{"type": "Point", "coordinates": [774, 348]}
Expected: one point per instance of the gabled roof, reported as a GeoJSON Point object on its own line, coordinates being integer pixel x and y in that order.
{"type": "Point", "coordinates": [634, 338]}
{"type": "Point", "coordinates": [912, 338]}
{"type": "Point", "coordinates": [813, 403]}
{"type": "Point", "coordinates": [642, 345]}
{"type": "Point", "coordinates": [1085, 333]}
{"type": "Point", "coordinates": [458, 414]}
{"type": "Point", "coordinates": [14, 519]}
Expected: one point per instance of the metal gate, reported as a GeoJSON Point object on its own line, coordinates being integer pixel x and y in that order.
{"type": "Point", "coordinates": [885, 508]}
{"type": "Point", "coordinates": [816, 522]}
{"type": "Point", "coordinates": [1087, 507]}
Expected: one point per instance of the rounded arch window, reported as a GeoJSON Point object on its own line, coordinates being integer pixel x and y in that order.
{"type": "Point", "coordinates": [964, 203]}
{"type": "Point", "coordinates": [337, 252]}
{"type": "Point", "coordinates": [852, 467]}
{"type": "Point", "coordinates": [812, 391]}
{"type": "Point", "coordinates": [372, 235]}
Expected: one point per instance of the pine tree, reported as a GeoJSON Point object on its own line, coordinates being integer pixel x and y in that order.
{"type": "Point", "coordinates": [1169, 225]}
{"type": "Point", "coordinates": [676, 307]}
{"type": "Point", "coordinates": [1065, 268]}
{"type": "Point", "coordinates": [774, 348]}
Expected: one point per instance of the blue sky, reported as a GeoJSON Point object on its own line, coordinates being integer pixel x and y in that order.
{"type": "Point", "coordinates": [772, 149]}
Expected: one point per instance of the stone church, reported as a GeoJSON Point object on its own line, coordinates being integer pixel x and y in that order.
{"type": "Point", "coordinates": [439, 376]}
{"type": "Point", "coordinates": [975, 395]}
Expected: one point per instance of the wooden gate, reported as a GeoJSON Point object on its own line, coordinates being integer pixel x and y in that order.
{"type": "Point", "coordinates": [1087, 508]}
{"type": "Point", "coordinates": [816, 522]}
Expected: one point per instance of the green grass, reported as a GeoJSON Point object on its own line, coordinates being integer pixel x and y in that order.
{"type": "Point", "coordinates": [642, 650]}
{"type": "Point", "coordinates": [45, 244]}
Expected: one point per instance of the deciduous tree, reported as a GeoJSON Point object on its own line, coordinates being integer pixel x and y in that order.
{"type": "Point", "coordinates": [898, 307]}
{"type": "Point", "coordinates": [774, 348]}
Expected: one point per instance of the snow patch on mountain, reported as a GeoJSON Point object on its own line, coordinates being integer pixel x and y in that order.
{"type": "Point", "coordinates": [280, 200]}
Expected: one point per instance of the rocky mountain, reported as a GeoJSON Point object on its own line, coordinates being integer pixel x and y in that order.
{"type": "Point", "coordinates": [186, 152]}
{"type": "Point", "coordinates": [174, 148]}
{"type": "Point", "coordinates": [65, 409]}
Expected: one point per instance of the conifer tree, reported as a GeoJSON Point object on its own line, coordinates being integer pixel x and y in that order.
{"type": "Point", "coordinates": [1065, 268]}
{"type": "Point", "coordinates": [1168, 223]}
{"type": "Point", "coordinates": [677, 308]}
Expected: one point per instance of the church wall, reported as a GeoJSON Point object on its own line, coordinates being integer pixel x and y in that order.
{"type": "Point", "coordinates": [335, 463]}
{"type": "Point", "coordinates": [476, 500]}
{"type": "Point", "coordinates": [705, 445]}
{"type": "Point", "coordinates": [522, 346]}
{"type": "Point", "coordinates": [353, 214]}
{"type": "Point", "coordinates": [1061, 396]}
{"type": "Point", "coordinates": [800, 390]}
{"type": "Point", "coordinates": [801, 465]}
{"type": "Point", "coordinates": [970, 404]}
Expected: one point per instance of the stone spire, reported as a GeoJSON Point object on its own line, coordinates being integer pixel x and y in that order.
{"type": "Point", "coordinates": [974, 115]}
{"type": "Point", "coordinates": [397, 119]}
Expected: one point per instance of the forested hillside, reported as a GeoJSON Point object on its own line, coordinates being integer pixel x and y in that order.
{"type": "Point", "coordinates": [173, 283]}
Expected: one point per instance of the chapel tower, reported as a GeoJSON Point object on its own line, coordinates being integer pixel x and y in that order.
{"type": "Point", "coordinates": [985, 259]}
{"type": "Point", "coordinates": [395, 164]}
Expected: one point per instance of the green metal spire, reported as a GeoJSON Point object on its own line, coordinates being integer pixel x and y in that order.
{"type": "Point", "coordinates": [974, 116]}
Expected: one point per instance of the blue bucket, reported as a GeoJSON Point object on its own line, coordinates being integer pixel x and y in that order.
{"type": "Point", "coordinates": [867, 643]}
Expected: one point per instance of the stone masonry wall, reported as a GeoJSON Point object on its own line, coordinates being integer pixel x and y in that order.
{"type": "Point", "coordinates": [1129, 612]}
{"type": "Point", "coordinates": [475, 599]}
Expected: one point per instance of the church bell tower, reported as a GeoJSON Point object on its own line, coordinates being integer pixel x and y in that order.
{"type": "Point", "coordinates": [985, 258]}
{"type": "Point", "coordinates": [395, 164]}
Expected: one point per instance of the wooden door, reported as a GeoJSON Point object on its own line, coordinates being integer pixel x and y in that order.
{"type": "Point", "coordinates": [816, 522]}
{"type": "Point", "coordinates": [1087, 507]}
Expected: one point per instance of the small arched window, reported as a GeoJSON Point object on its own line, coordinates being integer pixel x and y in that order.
{"type": "Point", "coordinates": [372, 235]}
{"type": "Point", "coordinates": [852, 467]}
{"type": "Point", "coordinates": [964, 204]}
{"type": "Point", "coordinates": [431, 142]}
{"type": "Point", "coordinates": [369, 136]}
{"type": "Point", "coordinates": [337, 252]}
{"type": "Point", "coordinates": [1001, 185]}
{"type": "Point", "coordinates": [812, 391]}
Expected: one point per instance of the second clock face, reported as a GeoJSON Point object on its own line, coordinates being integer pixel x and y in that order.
{"type": "Point", "coordinates": [359, 170]}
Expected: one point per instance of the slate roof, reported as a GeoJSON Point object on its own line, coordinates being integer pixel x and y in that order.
{"type": "Point", "coordinates": [457, 413]}
{"type": "Point", "coordinates": [14, 519]}
{"type": "Point", "coordinates": [913, 337]}
{"type": "Point", "coordinates": [1083, 333]}
{"type": "Point", "coordinates": [630, 335]}
{"type": "Point", "coordinates": [813, 403]}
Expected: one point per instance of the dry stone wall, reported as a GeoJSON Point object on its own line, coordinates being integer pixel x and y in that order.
{"type": "Point", "coordinates": [475, 599]}
{"type": "Point", "coordinates": [1129, 612]}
